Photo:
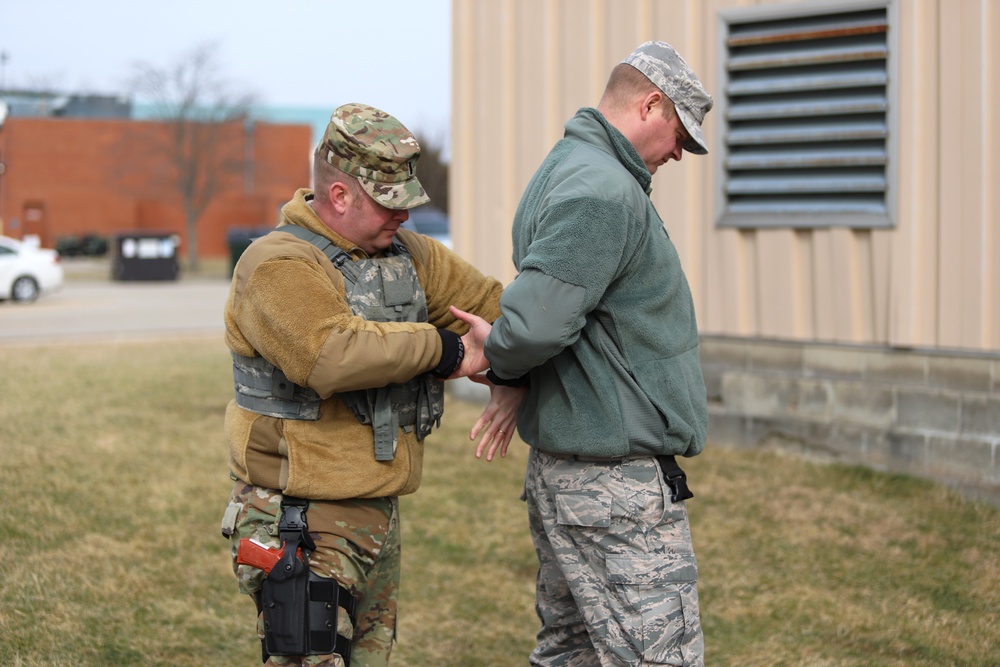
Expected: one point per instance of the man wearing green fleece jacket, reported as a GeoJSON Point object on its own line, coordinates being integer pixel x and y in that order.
{"type": "Point", "coordinates": [599, 325]}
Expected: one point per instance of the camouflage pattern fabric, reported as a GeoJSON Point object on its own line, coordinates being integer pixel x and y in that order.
{"type": "Point", "coordinates": [387, 289]}
{"type": "Point", "coordinates": [617, 579]}
{"type": "Point", "coordinates": [357, 543]}
{"type": "Point", "coordinates": [378, 150]}
{"type": "Point", "coordinates": [255, 380]}
{"type": "Point", "coordinates": [662, 65]}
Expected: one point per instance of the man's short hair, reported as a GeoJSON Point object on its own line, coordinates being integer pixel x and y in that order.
{"type": "Point", "coordinates": [624, 85]}
{"type": "Point", "coordinates": [325, 175]}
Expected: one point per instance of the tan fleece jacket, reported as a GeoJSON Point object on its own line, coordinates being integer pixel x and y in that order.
{"type": "Point", "coordinates": [287, 303]}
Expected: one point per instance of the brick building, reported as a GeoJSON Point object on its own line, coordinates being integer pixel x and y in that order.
{"type": "Point", "coordinates": [64, 176]}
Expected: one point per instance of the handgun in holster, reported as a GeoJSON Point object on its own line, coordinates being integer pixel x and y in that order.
{"type": "Point", "coordinates": [300, 607]}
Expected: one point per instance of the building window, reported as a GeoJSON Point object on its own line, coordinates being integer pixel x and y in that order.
{"type": "Point", "coordinates": [808, 116]}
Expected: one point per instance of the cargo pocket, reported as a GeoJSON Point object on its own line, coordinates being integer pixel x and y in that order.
{"type": "Point", "coordinates": [251, 514]}
{"type": "Point", "coordinates": [659, 602]}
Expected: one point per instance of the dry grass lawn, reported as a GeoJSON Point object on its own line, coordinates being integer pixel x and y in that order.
{"type": "Point", "coordinates": [114, 478]}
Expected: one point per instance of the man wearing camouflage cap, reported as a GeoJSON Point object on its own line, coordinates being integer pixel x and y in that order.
{"type": "Point", "coordinates": [341, 333]}
{"type": "Point", "coordinates": [599, 325]}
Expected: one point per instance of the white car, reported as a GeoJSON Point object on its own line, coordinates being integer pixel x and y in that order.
{"type": "Point", "coordinates": [27, 271]}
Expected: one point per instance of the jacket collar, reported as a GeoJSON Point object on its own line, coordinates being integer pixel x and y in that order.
{"type": "Point", "coordinates": [299, 211]}
{"type": "Point", "coordinates": [589, 125]}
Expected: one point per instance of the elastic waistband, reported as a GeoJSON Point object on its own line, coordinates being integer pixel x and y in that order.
{"type": "Point", "coordinates": [599, 459]}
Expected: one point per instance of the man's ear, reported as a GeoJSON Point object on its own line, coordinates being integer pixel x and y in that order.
{"type": "Point", "coordinates": [340, 197]}
{"type": "Point", "coordinates": [650, 103]}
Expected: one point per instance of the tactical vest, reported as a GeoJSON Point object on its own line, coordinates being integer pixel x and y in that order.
{"type": "Point", "coordinates": [379, 290]}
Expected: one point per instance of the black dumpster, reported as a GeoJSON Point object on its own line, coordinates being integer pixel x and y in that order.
{"type": "Point", "coordinates": [239, 239]}
{"type": "Point", "coordinates": [144, 255]}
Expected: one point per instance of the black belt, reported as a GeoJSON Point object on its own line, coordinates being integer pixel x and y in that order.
{"type": "Point", "coordinates": [672, 473]}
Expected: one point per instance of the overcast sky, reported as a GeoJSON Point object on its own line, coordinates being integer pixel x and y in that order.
{"type": "Point", "coordinates": [392, 54]}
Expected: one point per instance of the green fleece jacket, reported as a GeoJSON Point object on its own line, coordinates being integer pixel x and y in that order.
{"type": "Point", "coordinates": [288, 304]}
{"type": "Point", "coordinates": [600, 317]}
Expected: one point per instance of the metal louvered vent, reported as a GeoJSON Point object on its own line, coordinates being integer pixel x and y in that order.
{"type": "Point", "coordinates": [807, 122]}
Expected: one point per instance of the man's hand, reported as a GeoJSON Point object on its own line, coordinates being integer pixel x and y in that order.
{"type": "Point", "coordinates": [474, 360]}
{"type": "Point", "coordinates": [499, 419]}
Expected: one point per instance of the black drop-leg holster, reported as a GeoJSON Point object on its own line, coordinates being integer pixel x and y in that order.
{"type": "Point", "coordinates": [300, 607]}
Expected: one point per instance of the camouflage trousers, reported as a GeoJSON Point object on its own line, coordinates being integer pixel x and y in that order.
{"type": "Point", "coordinates": [357, 543]}
{"type": "Point", "coordinates": [617, 578]}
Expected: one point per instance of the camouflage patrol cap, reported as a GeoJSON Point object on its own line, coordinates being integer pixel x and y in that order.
{"type": "Point", "coordinates": [376, 149]}
{"type": "Point", "coordinates": [662, 65]}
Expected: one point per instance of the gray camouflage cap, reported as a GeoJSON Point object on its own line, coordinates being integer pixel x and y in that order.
{"type": "Point", "coordinates": [378, 150]}
{"type": "Point", "coordinates": [662, 65]}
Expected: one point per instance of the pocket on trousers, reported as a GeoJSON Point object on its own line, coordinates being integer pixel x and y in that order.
{"type": "Point", "coordinates": [660, 603]}
{"type": "Point", "coordinates": [252, 512]}
{"type": "Point", "coordinates": [583, 508]}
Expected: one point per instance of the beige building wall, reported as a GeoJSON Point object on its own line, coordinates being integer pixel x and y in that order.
{"type": "Point", "coordinates": [523, 67]}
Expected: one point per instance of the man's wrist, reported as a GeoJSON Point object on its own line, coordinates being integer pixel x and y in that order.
{"type": "Point", "coordinates": [452, 353]}
{"type": "Point", "coordinates": [522, 381]}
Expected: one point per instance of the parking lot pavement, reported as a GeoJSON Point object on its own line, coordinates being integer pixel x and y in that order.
{"type": "Point", "coordinates": [116, 311]}
{"type": "Point", "coordinates": [99, 311]}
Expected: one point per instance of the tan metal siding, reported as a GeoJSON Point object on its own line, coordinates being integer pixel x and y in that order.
{"type": "Point", "coordinates": [991, 171]}
{"type": "Point", "coordinates": [523, 67]}
{"type": "Point", "coordinates": [963, 228]}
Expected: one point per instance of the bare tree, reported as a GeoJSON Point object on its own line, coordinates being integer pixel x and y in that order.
{"type": "Point", "coordinates": [205, 119]}
{"type": "Point", "coordinates": [432, 169]}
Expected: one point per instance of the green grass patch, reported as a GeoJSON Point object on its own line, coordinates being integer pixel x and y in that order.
{"type": "Point", "coordinates": [115, 478]}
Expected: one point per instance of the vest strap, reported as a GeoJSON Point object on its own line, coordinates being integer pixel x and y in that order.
{"type": "Point", "coordinates": [385, 423]}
